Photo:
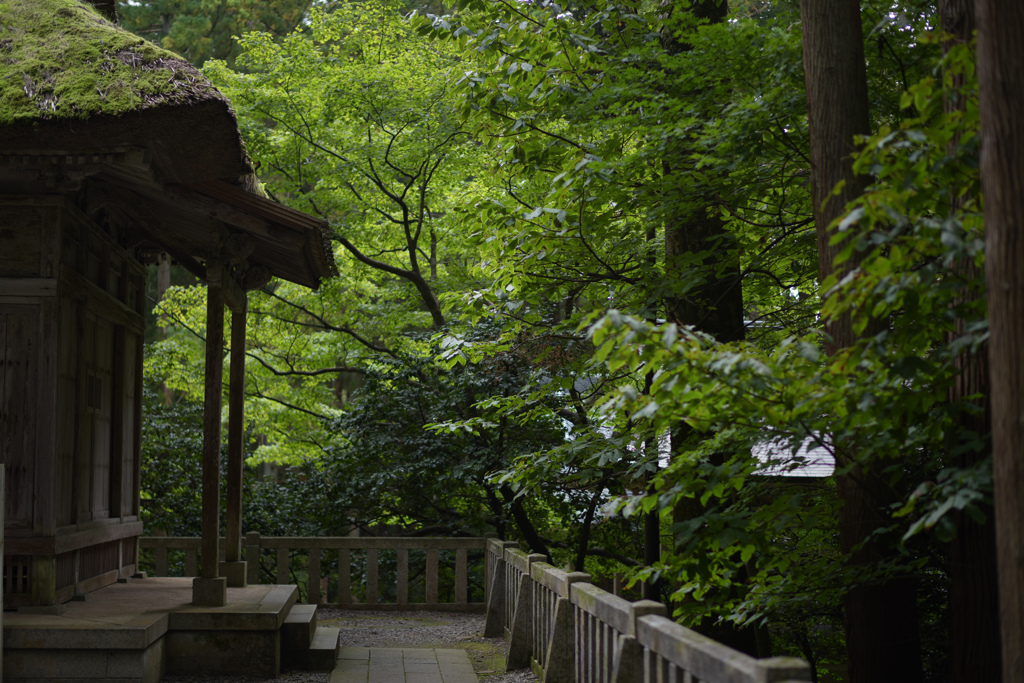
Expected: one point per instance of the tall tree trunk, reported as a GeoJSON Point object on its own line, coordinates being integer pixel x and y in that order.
{"type": "Point", "coordinates": [583, 544]}
{"type": "Point", "coordinates": [523, 522]}
{"type": "Point", "coordinates": [882, 641]}
{"type": "Point", "coordinates": [1001, 101]}
{"type": "Point", "coordinates": [715, 306]}
{"type": "Point", "coordinates": [697, 243]}
{"type": "Point", "coordinates": [974, 652]}
{"type": "Point", "coordinates": [837, 111]}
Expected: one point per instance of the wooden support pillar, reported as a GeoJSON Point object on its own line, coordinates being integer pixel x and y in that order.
{"type": "Point", "coordinates": [211, 431]}
{"type": "Point", "coordinates": [3, 507]}
{"type": "Point", "coordinates": [209, 589]}
{"type": "Point", "coordinates": [234, 568]}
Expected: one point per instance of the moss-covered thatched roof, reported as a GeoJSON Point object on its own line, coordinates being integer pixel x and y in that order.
{"type": "Point", "coordinates": [78, 92]}
{"type": "Point", "coordinates": [71, 81]}
{"type": "Point", "coordinates": [63, 59]}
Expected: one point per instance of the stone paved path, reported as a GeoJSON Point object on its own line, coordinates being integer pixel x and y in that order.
{"type": "Point", "coordinates": [402, 665]}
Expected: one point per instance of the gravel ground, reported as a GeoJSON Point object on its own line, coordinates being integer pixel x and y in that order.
{"type": "Point", "coordinates": [401, 629]}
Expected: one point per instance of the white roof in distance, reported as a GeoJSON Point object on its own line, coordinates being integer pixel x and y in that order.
{"type": "Point", "coordinates": [811, 459]}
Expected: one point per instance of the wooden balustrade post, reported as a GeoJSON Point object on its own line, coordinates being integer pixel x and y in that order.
{"type": "Point", "coordinates": [520, 645]}
{"type": "Point", "coordinates": [252, 557]}
{"type": "Point", "coordinates": [494, 626]}
{"type": "Point", "coordinates": [560, 657]}
{"type": "Point", "coordinates": [559, 664]}
{"type": "Point", "coordinates": [461, 577]}
{"type": "Point", "coordinates": [371, 576]}
{"type": "Point", "coordinates": [344, 576]}
{"type": "Point", "coordinates": [402, 589]}
{"type": "Point", "coordinates": [313, 581]}
{"type": "Point", "coordinates": [431, 579]}
{"type": "Point", "coordinates": [282, 566]}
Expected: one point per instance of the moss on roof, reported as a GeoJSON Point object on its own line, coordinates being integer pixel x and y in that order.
{"type": "Point", "coordinates": [61, 59]}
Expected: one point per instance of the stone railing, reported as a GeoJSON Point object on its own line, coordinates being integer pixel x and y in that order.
{"type": "Point", "coordinates": [575, 632]}
{"type": "Point", "coordinates": [556, 622]}
{"type": "Point", "coordinates": [284, 550]}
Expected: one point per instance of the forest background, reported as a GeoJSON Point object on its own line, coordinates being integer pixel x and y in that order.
{"type": "Point", "coordinates": [608, 272]}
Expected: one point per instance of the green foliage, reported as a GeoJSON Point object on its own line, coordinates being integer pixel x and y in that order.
{"type": "Point", "coordinates": [882, 405]}
{"type": "Point", "coordinates": [399, 473]}
{"type": "Point", "coordinates": [360, 128]}
{"type": "Point", "coordinates": [200, 30]}
{"type": "Point", "coordinates": [585, 113]}
{"type": "Point", "coordinates": [172, 472]}
{"type": "Point", "coordinates": [499, 182]}
{"type": "Point", "coordinates": [172, 456]}
{"type": "Point", "coordinates": [599, 135]}
{"type": "Point", "coordinates": [288, 414]}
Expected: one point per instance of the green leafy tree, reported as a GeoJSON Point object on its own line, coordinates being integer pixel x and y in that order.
{"type": "Point", "coordinates": [353, 121]}
{"type": "Point", "coordinates": [350, 120]}
{"type": "Point", "coordinates": [502, 182]}
{"type": "Point", "coordinates": [881, 402]}
{"type": "Point", "coordinates": [398, 473]}
{"type": "Point", "coordinates": [200, 30]}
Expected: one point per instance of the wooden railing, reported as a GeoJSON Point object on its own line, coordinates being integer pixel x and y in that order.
{"type": "Point", "coordinates": [282, 559]}
{"type": "Point", "coordinates": [575, 632]}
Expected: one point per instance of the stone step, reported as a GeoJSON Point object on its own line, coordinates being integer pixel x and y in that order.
{"type": "Point", "coordinates": [320, 655]}
{"type": "Point", "coordinates": [323, 653]}
{"type": "Point", "coordinates": [298, 628]}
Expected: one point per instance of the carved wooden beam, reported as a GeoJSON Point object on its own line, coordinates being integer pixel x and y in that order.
{"type": "Point", "coordinates": [129, 207]}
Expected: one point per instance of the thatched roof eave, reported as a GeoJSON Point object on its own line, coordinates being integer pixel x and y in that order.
{"type": "Point", "coordinates": [80, 97]}
{"type": "Point", "coordinates": [72, 80]}
{"type": "Point", "coordinates": [185, 146]}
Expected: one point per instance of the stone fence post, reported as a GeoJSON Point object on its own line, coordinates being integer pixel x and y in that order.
{"type": "Point", "coordinates": [252, 557]}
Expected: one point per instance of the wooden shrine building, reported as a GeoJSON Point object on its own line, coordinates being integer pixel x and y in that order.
{"type": "Point", "coordinates": [114, 154]}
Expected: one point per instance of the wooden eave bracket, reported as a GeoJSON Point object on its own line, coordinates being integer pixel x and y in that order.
{"type": "Point", "coordinates": [219, 275]}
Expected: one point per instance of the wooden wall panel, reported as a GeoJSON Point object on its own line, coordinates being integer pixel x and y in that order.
{"type": "Point", "coordinates": [86, 392]}
{"type": "Point", "coordinates": [115, 277]}
{"type": "Point", "coordinates": [129, 425]}
{"type": "Point", "coordinates": [20, 239]}
{"type": "Point", "coordinates": [66, 422]}
{"type": "Point", "coordinates": [95, 262]}
{"type": "Point", "coordinates": [47, 333]}
{"type": "Point", "coordinates": [103, 368]}
{"type": "Point", "coordinates": [117, 419]}
{"type": "Point", "coordinates": [17, 409]}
